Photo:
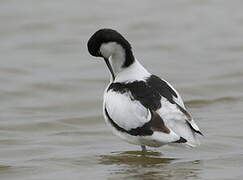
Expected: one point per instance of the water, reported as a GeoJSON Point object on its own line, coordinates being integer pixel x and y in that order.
{"type": "Point", "coordinates": [51, 124]}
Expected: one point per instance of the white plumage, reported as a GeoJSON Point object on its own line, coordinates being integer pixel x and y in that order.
{"type": "Point", "coordinates": [126, 113]}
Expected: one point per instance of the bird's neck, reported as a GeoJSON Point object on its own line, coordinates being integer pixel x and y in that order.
{"type": "Point", "coordinates": [125, 68]}
{"type": "Point", "coordinates": [134, 72]}
{"type": "Point", "coordinates": [120, 56]}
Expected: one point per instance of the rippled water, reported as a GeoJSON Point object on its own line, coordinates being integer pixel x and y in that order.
{"type": "Point", "coordinates": [51, 124]}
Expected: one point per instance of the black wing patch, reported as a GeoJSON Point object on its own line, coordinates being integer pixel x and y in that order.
{"type": "Point", "coordinates": [148, 92]}
{"type": "Point", "coordinates": [161, 87]}
{"type": "Point", "coordinates": [141, 92]}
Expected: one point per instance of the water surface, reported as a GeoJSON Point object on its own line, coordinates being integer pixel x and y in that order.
{"type": "Point", "coordinates": [51, 124]}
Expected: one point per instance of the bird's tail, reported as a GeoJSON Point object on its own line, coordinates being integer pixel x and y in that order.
{"type": "Point", "coordinates": [184, 130]}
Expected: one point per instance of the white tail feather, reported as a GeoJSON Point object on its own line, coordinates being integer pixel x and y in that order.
{"type": "Point", "coordinates": [182, 129]}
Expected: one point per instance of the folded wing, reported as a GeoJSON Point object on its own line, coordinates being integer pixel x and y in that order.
{"type": "Point", "coordinates": [129, 116]}
{"type": "Point", "coordinates": [173, 111]}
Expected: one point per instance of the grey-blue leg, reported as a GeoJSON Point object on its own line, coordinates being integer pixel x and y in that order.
{"type": "Point", "coordinates": [144, 148]}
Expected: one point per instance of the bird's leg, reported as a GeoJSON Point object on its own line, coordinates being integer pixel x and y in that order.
{"type": "Point", "coordinates": [144, 148]}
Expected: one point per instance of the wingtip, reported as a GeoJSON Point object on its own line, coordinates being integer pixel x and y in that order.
{"type": "Point", "coordinates": [199, 132]}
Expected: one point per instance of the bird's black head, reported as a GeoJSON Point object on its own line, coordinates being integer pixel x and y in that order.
{"type": "Point", "coordinates": [109, 35]}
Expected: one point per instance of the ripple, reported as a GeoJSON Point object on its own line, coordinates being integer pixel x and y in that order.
{"type": "Point", "coordinates": [15, 71]}
{"type": "Point", "coordinates": [40, 26]}
{"type": "Point", "coordinates": [87, 120]}
{"type": "Point", "coordinates": [58, 46]}
{"type": "Point", "coordinates": [204, 102]}
{"type": "Point", "coordinates": [57, 87]}
{"type": "Point", "coordinates": [35, 127]}
{"type": "Point", "coordinates": [4, 168]}
{"type": "Point", "coordinates": [143, 25]}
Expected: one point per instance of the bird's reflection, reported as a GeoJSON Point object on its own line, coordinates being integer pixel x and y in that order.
{"type": "Point", "coordinates": [134, 158]}
{"type": "Point", "coordinates": [149, 165]}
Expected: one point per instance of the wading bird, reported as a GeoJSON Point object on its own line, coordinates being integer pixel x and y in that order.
{"type": "Point", "coordinates": [140, 107]}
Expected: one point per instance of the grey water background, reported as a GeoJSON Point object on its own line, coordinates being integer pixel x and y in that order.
{"type": "Point", "coordinates": [51, 124]}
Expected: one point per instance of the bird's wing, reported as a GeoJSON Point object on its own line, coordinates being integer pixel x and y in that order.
{"type": "Point", "coordinates": [126, 111]}
{"type": "Point", "coordinates": [131, 106]}
{"type": "Point", "coordinates": [173, 111]}
{"type": "Point", "coordinates": [165, 90]}
{"type": "Point", "coordinates": [172, 98]}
